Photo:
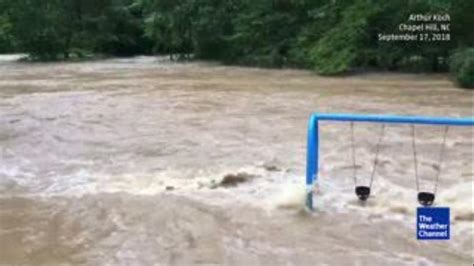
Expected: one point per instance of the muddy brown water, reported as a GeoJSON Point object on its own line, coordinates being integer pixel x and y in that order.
{"type": "Point", "coordinates": [119, 162]}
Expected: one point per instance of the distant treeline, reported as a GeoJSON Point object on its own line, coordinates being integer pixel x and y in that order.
{"type": "Point", "coordinates": [329, 36]}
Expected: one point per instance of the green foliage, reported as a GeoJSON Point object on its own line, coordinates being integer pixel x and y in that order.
{"type": "Point", "coordinates": [343, 45]}
{"type": "Point", "coordinates": [353, 40]}
{"type": "Point", "coordinates": [263, 33]}
{"type": "Point", "coordinates": [331, 37]}
{"type": "Point", "coordinates": [7, 42]}
{"type": "Point", "coordinates": [120, 30]}
{"type": "Point", "coordinates": [169, 25]}
{"type": "Point", "coordinates": [212, 28]}
{"type": "Point", "coordinates": [462, 24]}
{"type": "Point", "coordinates": [462, 67]}
{"type": "Point", "coordinates": [41, 27]}
{"type": "Point", "coordinates": [53, 29]}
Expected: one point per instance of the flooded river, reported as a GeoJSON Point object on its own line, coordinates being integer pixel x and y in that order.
{"type": "Point", "coordinates": [121, 161]}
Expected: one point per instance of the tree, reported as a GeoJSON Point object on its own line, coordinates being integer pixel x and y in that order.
{"type": "Point", "coordinates": [331, 37]}
{"type": "Point", "coordinates": [52, 29]}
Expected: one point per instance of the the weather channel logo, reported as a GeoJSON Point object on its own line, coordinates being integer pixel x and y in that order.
{"type": "Point", "coordinates": [432, 223]}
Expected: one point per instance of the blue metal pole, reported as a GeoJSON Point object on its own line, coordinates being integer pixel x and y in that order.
{"type": "Point", "coordinates": [312, 159]}
{"type": "Point", "coordinates": [467, 121]}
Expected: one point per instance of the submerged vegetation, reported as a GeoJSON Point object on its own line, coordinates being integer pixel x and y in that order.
{"type": "Point", "coordinates": [328, 36]}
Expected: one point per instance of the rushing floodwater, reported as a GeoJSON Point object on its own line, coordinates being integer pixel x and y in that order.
{"type": "Point", "coordinates": [119, 162]}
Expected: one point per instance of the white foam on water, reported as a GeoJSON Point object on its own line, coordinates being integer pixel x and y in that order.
{"type": "Point", "coordinates": [460, 199]}
{"type": "Point", "coordinates": [393, 199]}
{"type": "Point", "coordinates": [141, 129]}
{"type": "Point", "coordinates": [387, 198]}
{"type": "Point", "coordinates": [84, 181]}
{"type": "Point", "coordinates": [289, 195]}
{"type": "Point", "coordinates": [8, 58]}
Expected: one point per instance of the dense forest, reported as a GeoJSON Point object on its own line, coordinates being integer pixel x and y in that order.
{"type": "Point", "coordinates": [328, 36]}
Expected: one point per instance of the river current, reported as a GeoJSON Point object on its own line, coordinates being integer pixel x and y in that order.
{"type": "Point", "coordinates": [122, 162]}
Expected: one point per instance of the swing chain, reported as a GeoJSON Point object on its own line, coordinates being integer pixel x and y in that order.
{"type": "Point", "coordinates": [377, 152]}
{"type": "Point", "coordinates": [440, 158]}
{"type": "Point", "coordinates": [354, 166]}
{"type": "Point", "coordinates": [415, 156]}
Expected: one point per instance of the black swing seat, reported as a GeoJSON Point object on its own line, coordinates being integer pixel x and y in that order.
{"type": "Point", "coordinates": [362, 192]}
{"type": "Point", "coordinates": [426, 198]}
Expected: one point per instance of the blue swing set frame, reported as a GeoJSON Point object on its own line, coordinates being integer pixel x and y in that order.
{"type": "Point", "coordinates": [313, 160]}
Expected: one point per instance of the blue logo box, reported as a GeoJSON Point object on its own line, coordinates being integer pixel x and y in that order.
{"type": "Point", "coordinates": [432, 223]}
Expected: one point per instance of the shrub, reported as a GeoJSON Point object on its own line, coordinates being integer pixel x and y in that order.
{"type": "Point", "coordinates": [343, 46]}
{"type": "Point", "coordinates": [462, 67]}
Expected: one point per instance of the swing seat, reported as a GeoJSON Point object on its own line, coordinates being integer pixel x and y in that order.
{"type": "Point", "coordinates": [362, 192]}
{"type": "Point", "coordinates": [426, 198]}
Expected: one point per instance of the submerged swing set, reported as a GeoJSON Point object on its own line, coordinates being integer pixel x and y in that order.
{"type": "Point", "coordinates": [363, 192]}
